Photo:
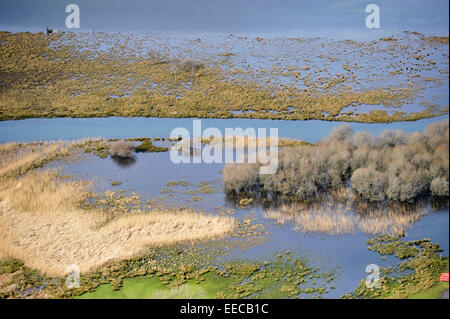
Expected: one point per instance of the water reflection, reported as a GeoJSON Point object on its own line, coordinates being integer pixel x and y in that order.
{"type": "Point", "coordinates": [124, 162]}
{"type": "Point", "coordinates": [345, 219]}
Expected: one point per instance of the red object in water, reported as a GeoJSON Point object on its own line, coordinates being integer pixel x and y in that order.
{"type": "Point", "coordinates": [444, 276]}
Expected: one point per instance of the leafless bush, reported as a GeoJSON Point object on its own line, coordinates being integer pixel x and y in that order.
{"type": "Point", "coordinates": [122, 149]}
{"type": "Point", "coordinates": [393, 138]}
{"type": "Point", "coordinates": [369, 183]}
{"type": "Point", "coordinates": [395, 167]}
{"type": "Point", "coordinates": [240, 178]}
{"type": "Point", "coordinates": [363, 138]}
{"type": "Point", "coordinates": [341, 132]}
{"type": "Point", "coordinates": [439, 187]}
{"type": "Point", "coordinates": [436, 129]}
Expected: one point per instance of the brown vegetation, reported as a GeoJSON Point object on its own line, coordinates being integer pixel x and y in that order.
{"type": "Point", "coordinates": [98, 74]}
{"type": "Point", "coordinates": [122, 149]}
{"type": "Point", "coordinates": [45, 223]}
{"type": "Point", "coordinates": [395, 167]}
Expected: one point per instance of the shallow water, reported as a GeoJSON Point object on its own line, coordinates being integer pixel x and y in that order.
{"type": "Point", "coordinates": [152, 171]}
{"type": "Point", "coordinates": [347, 254]}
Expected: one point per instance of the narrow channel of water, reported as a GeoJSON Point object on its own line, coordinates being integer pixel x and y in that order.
{"type": "Point", "coordinates": [123, 127]}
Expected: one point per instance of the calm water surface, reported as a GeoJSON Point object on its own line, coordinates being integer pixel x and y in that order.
{"type": "Point", "coordinates": [149, 174]}
{"type": "Point", "coordinates": [122, 127]}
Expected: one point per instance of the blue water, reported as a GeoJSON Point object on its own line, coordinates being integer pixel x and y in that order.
{"type": "Point", "coordinates": [123, 127]}
{"type": "Point", "coordinates": [316, 18]}
{"type": "Point", "coordinates": [151, 171]}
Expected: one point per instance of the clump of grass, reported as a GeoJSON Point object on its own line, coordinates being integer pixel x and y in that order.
{"type": "Point", "coordinates": [418, 272]}
{"type": "Point", "coordinates": [244, 202]}
{"type": "Point", "coordinates": [183, 183]}
{"type": "Point", "coordinates": [395, 167]}
{"type": "Point", "coordinates": [147, 146]}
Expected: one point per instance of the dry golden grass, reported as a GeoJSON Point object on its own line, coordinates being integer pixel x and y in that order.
{"type": "Point", "coordinates": [241, 142]}
{"type": "Point", "coordinates": [64, 75]}
{"type": "Point", "coordinates": [15, 159]}
{"type": "Point", "coordinates": [43, 224]}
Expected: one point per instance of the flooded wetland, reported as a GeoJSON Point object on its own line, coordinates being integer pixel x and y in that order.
{"type": "Point", "coordinates": [87, 179]}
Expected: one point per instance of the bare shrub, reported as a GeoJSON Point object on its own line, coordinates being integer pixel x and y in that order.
{"type": "Point", "coordinates": [393, 138]}
{"type": "Point", "coordinates": [341, 132]}
{"type": "Point", "coordinates": [436, 129]}
{"type": "Point", "coordinates": [240, 178]}
{"type": "Point", "coordinates": [365, 139]}
{"type": "Point", "coordinates": [360, 158]}
{"type": "Point", "coordinates": [122, 149]}
{"type": "Point", "coordinates": [396, 166]}
{"type": "Point", "coordinates": [369, 184]}
{"type": "Point", "coordinates": [439, 187]}
{"type": "Point", "coordinates": [406, 186]}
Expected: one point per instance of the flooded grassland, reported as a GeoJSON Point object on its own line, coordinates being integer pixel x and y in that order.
{"type": "Point", "coordinates": [403, 77]}
{"type": "Point", "coordinates": [136, 225]}
{"type": "Point", "coordinates": [139, 226]}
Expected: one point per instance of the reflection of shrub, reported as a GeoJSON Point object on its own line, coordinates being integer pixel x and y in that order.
{"type": "Point", "coordinates": [124, 161]}
{"type": "Point", "coordinates": [122, 149]}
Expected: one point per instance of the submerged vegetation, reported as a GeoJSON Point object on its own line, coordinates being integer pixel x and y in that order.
{"type": "Point", "coordinates": [419, 270]}
{"type": "Point", "coordinates": [175, 272]}
{"type": "Point", "coordinates": [98, 74]}
{"type": "Point", "coordinates": [393, 168]}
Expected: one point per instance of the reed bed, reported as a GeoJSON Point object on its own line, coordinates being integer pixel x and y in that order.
{"type": "Point", "coordinates": [44, 223]}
